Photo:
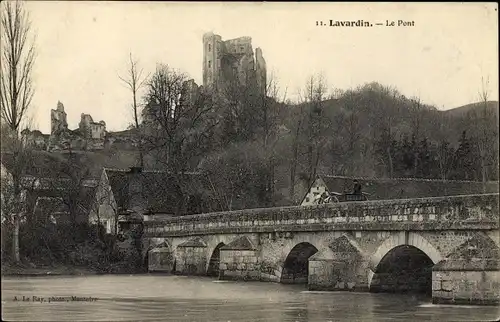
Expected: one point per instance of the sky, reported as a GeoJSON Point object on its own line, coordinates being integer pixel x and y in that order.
{"type": "Point", "coordinates": [82, 48]}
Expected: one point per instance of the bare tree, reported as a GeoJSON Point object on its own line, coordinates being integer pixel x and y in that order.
{"type": "Point", "coordinates": [387, 120]}
{"type": "Point", "coordinates": [416, 113]}
{"type": "Point", "coordinates": [353, 136]}
{"type": "Point", "coordinates": [336, 93]}
{"type": "Point", "coordinates": [135, 80]}
{"type": "Point", "coordinates": [271, 105]}
{"type": "Point", "coordinates": [16, 86]}
{"type": "Point", "coordinates": [483, 132]}
{"type": "Point", "coordinates": [295, 152]}
{"type": "Point", "coordinates": [315, 93]}
{"type": "Point", "coordinates": [18, 58]}
{"type": "Point", "coordinates": [180, 120]}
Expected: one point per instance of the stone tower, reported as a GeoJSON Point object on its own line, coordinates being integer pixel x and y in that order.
{"type": "Point", "coordinates": [232, 62]}
{"type": "Point", "coordinates": [212, 51]}
{"type": "Point", "coordinates": [58, 122]}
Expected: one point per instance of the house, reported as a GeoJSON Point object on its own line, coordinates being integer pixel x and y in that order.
{"type": "Point", "coordinates": [58, 205]}
{"type": "Point", "coordinates": [126, 197]}
{"type": "Point", "coordinates": [45, 195]}
{"type": "Point", "coordinates": [316, 191]}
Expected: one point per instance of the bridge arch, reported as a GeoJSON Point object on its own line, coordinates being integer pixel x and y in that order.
{"type": "Point", "coordinates": [214, 243]}
{"type": "Point", "coordinates": [214, 260]}
{"type": "Point", "coordinates": [403, 262]}
{"type": "Point", "coordinates": [164, 244]}
{"type": "Point", "coordinates": [295, 268]}
{"type": "Point", "coordinates": [405, 238]}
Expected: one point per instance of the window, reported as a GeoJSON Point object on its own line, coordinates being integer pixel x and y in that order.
{"type": "Point", "coordinates": [242, 48]}
{"type": "Point", "coordinates": [209, 48]}
{"type": "Point", "coordinates": [209, 64]}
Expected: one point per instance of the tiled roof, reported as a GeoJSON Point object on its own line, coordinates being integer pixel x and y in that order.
{"type": "Point", "coordinates": [157, 191]}
{"type": "Point", "coordinates": [38, 200]}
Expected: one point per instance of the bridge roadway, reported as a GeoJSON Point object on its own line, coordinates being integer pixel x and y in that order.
{"type": "Point", "coordinates": [445, 246]}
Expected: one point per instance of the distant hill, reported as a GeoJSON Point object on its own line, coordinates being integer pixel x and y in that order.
{"type": "Point", "coordinates": [462, 110]}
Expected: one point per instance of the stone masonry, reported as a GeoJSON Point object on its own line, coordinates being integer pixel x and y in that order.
{"type": "Point", "coordinates": [346, 246]}
{"type": "Point", "coordinates": [232, 62]}
{"type": "Point", "coordinates": [238, 260]}
{"type": "Point", "coordinates": [190, 257]}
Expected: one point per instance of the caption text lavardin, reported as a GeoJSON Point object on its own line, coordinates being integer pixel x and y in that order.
{"type": "Point", "coordinates": [364, 23]}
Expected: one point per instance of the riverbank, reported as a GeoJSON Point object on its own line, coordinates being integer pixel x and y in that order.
{"type": "Point", "coordinates": [25, 270]}
{"type": "Point", "coordinates": [31, 269]}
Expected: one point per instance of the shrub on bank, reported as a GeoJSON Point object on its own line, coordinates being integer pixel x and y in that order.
{"type": "Point", "coordinates": [71, 245]}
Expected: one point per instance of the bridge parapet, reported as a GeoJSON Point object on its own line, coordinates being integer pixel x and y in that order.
{"type": "Point", "coordinates": [465, 212]}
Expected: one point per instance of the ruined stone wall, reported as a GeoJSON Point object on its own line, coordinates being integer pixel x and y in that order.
{"type": "Point", "coordinates": [90, 129]}
{"type": "Point", "coordinates": [90, 135]}
{"type": "Point", "coordinates": [226, 62]}
{"type": "Point", "coordinates": [58, 120]}
{"type": "Point", "coordinates": [35, 139]}
{"type": "Point", "coordinates": [241, 45]}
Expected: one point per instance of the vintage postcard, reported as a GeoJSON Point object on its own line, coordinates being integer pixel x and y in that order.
{"type": "Point", "coordinates": [249, 161]}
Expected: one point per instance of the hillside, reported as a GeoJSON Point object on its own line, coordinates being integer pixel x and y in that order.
{"type": "Point", "coordinates": [373, 130]}
{"type": "Point", "coordinates": [370, 131]}
{"type": "Point", "coordinates": [463, 110]}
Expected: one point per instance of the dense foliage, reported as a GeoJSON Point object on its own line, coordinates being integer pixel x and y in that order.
{"type": "Point", "coordinates": [259, 148]}
{"type": "Point", "coordinates": [45, 244]}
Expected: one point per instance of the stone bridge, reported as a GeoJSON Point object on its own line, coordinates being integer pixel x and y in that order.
{"type": "Point", "coordinates": [444, 246]}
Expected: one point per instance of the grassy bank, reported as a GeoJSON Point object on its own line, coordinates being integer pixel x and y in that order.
{"type": "Point", "coordinates": [22, 269]}
{"type": "Point", "coordinates": [30, 269]}
{"type": "Point", "coordinates": [55, 270]}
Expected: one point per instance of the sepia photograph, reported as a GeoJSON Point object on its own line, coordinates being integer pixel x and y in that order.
{"type": "Point", "coordinates": [249, 161]}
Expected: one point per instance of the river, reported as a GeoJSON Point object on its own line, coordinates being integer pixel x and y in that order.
{"type": "Point", "coordinates": [179, 298]}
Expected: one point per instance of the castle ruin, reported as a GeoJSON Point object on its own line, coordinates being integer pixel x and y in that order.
{"type": "Point", "coordinates": [89, 135]}
{"type": "Point", "coordinates": [225, 63]}
{"type": "Point", "coordinates": [232, 62]}
{"type": "Point", "coordinates": [58, 119]}
{"type": "Point", "coordinates": [90, 129]}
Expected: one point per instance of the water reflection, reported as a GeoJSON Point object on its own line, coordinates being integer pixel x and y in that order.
{"type": "Point", "coordinates": [176, 298]}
